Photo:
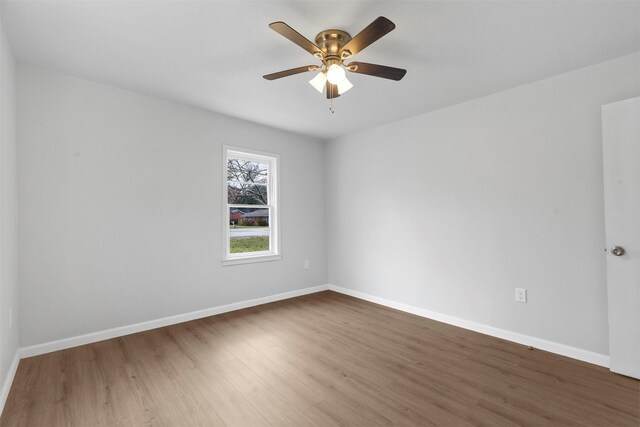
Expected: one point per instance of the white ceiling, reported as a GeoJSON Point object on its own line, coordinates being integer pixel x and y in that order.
{"type": "Point", "coordinates": [212, 54]}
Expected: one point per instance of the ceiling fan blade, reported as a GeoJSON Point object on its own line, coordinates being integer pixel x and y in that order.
{"type": "Point", "coordinates": [288, 32]}
{"type": "Point", "coordinates": [332, 91]}
{"type": "Point", "coordinates": [370, 34]}
{"type": "Point", "coordinates": [290, 72]}
{"type": "Point", "coordinates": [376, 70]}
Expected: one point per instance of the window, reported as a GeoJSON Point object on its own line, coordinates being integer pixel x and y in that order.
{"type": "Point", "coordinates": [250, 205]}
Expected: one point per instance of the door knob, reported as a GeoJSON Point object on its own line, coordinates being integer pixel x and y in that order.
{"type": "Point", "coordinates": [617, 250]}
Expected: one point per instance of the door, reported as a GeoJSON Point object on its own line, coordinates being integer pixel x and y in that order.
{"type": "Point", "coordinates": [621, 155]}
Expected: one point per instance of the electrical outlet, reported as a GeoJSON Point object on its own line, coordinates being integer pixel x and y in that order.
{"type": "Point", "coordinates": [306, 264]}
{"type": "Point", "coordinates": [521, 295]}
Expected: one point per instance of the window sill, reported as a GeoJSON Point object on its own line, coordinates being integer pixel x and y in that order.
{"type": "Point", "coordinates": [251, 259]}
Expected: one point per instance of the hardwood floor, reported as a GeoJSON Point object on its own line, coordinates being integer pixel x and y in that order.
{"type": "Point", "coordinates": [320, 360]}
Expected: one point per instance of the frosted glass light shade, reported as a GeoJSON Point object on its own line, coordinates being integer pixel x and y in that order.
{"type": "Point", "coordinates": [344, 86]}
{"type": "Point", "coordinates": [335, 74]}
{"type": "Point", "coordinates": [318, 82]}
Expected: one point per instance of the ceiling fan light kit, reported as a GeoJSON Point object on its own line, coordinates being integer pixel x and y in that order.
{"type": "Point", "coordinates": [335, 74]}
{"type": "Point", "coordinates": [332, 47]}
{"type": "Point", "coordinates": [319, 81]}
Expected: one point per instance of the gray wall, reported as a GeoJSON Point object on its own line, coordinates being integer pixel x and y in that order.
{"type": "Point", "coordinates": [8, 210]}
{"type": "Point", "coordinates": [448, 211]}
{"type": "Point", "coordinates": [451, 210]}
{"type": "Point", "coordinates": [120, 201]}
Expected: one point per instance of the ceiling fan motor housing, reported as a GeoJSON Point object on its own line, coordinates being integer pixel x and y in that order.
{"type": "Point", "coordinates": [331, 42]}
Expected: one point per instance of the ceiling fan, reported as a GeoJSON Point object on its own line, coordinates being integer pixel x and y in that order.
{"type": "Point", "coordinates": [333, 47]}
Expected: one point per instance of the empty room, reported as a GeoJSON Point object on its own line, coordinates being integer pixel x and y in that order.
{"type": "Point", "coordinates": [319, 213]}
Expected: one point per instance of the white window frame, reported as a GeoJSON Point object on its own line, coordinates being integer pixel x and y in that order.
{"type": "Point", "coordinates": [273, 162]}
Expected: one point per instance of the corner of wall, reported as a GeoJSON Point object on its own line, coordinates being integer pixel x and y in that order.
{"type": "Point", "coordinates": [9, 355]}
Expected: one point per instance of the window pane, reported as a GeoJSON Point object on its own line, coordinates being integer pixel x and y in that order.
{"type": "Point", "coordinates": [246, 171]}
{"type": "Point", "coordinates": [248, 230]}
{"type": "Point", "coordinates": [250, 206]}
{"type": "Point", "coordinates": [239, 193]}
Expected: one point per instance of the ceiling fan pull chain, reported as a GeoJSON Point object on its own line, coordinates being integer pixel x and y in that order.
{"type": "Point", "coordinates": [331, 106]}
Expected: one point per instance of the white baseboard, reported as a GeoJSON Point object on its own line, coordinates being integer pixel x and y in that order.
{"type": "Point", "coordinates": [35, 350]}
{"type": "Point", "coordinates": [62, 344]}
{"type": "Point", "coordinates": [6, 385]}
{"type": "Point", "coordinates": [554, 347]}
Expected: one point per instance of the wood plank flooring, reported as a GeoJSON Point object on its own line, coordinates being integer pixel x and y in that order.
{"type": "Point", "coordinates": [320, 360]}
